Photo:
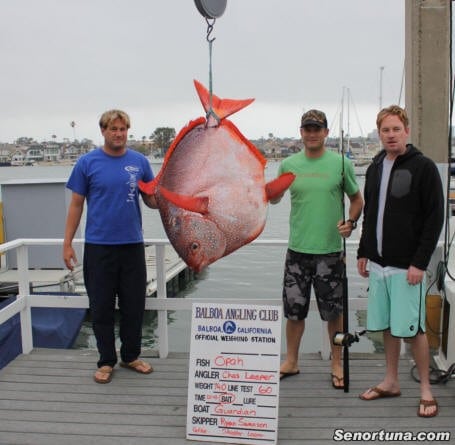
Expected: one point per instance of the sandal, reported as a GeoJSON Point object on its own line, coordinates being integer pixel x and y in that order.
{"type": "Point", "coordinates": [378, 393]}
{"type": "Point", "coordinates": [425, 404]}
{"type": "Point", "coordinates": [285, 375]}
{"type": "Point", "coordinates": [337, 382]}
{"type": "Point", "coordinates": [139, 366]}
{"type": "Point", "coordinates": [103, 374]}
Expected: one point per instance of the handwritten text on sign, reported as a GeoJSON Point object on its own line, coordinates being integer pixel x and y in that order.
{"type": "Point", "coordinates": [233, 384]}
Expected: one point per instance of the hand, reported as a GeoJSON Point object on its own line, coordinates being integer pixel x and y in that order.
{"type": "Point", "coordinates": [69, 257]}
{"type": "Point", "coordinates": [344, 228]}
{"type": "Point", "coordinates": [414, 275]}
{"type": "Point", "coordinates": [362, 267]}
{"type": "Point", "coordinates": [150, 201]}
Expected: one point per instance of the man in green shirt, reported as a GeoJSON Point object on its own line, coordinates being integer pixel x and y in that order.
{"type": "Point", "coordinates": [315, 256]}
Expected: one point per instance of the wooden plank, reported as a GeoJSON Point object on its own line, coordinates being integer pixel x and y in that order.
{"type": "Point", "coordinates": [49, 397]}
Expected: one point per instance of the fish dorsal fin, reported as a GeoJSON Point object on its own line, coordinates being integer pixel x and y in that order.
{"type": "Point", "coordinates": [196, 204]}
{"type": "Point", "coordinates": [236, 132]}
{"type": "Point", "coordinates": [278, 186]}
{"type": "Point", "coordinates": [182, 133]}
{"type": "Point", "coordinates": [221, 107]}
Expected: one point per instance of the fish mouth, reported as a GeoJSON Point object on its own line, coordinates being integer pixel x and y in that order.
{"type": "Point", "coordinates": [200, 266]}
{"type": "Point", "coordinates": [197, 269]}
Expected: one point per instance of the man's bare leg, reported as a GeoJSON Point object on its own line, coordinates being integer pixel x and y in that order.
{"type": "Point", "coordinates": [390, 384]}
{"type": "Point", "coordinates": [294, 333]}
{"type": "Point", "coordinates": [421, 353]}
{"type": "Point", "coordinates": [333, 327]}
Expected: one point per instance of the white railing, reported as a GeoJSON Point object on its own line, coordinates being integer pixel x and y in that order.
{"type": "Point", "coordinates": [25, 300]}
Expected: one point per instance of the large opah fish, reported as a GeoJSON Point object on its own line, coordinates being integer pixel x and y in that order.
{"type": "Point", "coordinates": [211, 191]}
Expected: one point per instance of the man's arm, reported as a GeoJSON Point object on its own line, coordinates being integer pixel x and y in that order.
{"type": "Point", "coordinates": [355, 209]}
{"type": "Point", "coordinates": [72, 223]}
{"type": "Point", "coordinates": [355, 206]}
{"type": "Point", "coordinates": [362, 264]}
{"type": "Point", "coordinates": [432, 216]}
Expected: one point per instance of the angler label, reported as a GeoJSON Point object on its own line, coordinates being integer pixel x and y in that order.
{"type": "Point", "coordinates": [233, 384]}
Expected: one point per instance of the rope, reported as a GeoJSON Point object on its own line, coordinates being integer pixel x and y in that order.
{"type": "Point", "coordinates": [437, 376]}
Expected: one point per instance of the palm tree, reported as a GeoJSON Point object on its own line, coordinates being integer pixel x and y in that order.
{"type": "Point", "coordinates": [73, 126]}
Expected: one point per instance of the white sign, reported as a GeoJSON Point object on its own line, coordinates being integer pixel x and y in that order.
{"type": "Point", "coordinates": [233, 385]}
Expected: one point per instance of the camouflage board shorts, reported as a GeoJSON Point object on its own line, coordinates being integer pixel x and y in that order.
{"type": "Point", "coordinates": [325, 272]}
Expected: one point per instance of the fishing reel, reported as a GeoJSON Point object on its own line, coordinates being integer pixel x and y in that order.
{"type": "Point", "coordinates": [346, 338]}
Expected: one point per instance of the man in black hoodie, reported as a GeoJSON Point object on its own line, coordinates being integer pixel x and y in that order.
{"type": "Point", "coordinates": [403, 217]}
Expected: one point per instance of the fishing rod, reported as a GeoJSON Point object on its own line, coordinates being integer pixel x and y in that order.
{"type": "Point", "coordinates": [345, 338]}
{"type": "Point", "coordinates": [341, 338]}
{"type": "Point", "coordinates": [345, 281]}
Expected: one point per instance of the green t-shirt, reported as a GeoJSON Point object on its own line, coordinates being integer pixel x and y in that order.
{"type": "Point", "coordinates": [316, 200]}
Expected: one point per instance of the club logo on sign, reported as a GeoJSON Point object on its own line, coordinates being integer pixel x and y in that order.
{"type": "Point", "coordinates": [229, 327]}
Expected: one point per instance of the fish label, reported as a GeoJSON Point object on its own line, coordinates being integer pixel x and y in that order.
{"type": "Point", "coordinates": [234, 369]}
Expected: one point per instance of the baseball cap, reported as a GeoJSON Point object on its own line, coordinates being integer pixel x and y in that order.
{"type": "Point", "coordinates": [314, 117]}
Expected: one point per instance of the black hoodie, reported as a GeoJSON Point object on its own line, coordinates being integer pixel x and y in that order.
{"type": "Point", "coordinates": [413, 213]}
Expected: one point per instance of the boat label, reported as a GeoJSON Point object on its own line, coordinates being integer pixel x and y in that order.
{"type": "Point", "coordinates": [233, 384]}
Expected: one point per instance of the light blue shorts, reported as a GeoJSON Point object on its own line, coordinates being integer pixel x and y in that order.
{"type": "Point", "coordinates": [393, 303]}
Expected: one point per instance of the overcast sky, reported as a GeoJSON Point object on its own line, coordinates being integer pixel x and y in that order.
{"type": "Point", "coordinates": [66, 61]}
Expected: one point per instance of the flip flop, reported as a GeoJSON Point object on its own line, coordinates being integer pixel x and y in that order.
{"type": "Point", "coordinates": [425, 404]}
{"type": "Point", "coordinates": [103, 374]}
{"type": "Point", "coordinates": [136, 365]}
{"type": "Point", "coordinates": [379, 393]}
{"type": "Point", "coordinates": [284, 375]}
{"type": "Point", "coordinates": [339, 380]}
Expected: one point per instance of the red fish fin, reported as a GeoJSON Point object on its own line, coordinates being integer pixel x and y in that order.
{"type": "Point", "coordinates": [149, 188]}
{"type": "Point", "coordinates": [236, 132]}
{"type": "Point", "coordinates": [278, 186]}
{"type": "Point", "coordinates": [196, 204]}
{"type": "Point", "coordinates": [221, 107]}
{"type": "Point", "coordinates": [181, 134]}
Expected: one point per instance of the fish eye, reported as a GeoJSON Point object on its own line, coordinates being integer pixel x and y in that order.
{"type": "Point", "coordinates": [194, 246]}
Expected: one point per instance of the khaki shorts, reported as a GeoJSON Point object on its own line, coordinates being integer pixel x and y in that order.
{"type": "Point", "coordinates": [393, 303]}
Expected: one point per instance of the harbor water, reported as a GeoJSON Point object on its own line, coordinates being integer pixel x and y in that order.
{"type": "Point", "coordinates": [250, 272]}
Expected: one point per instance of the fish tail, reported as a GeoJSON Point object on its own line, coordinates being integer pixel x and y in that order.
{"type": "Point", "coordinates": [274, 189]}
{"type": "Point", "coordinates": [221, 107]}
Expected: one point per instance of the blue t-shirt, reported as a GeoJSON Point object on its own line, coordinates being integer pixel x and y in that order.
{"type": "Point", "coordinates": [109, 184]}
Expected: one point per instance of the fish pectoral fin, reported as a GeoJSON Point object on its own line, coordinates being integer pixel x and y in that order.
{"type": "Point", "coordinates": [274, 189]}
{"type": "Point", "coordinates": [148, 188]}
{"type": "Point", "coordinates": [196, 204]}
{"type": "Point", "coordinates": [221, 107]}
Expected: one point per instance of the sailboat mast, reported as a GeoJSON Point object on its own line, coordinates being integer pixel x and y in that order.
{"type": "Point", "coordinates": [348, 143]}
{"type": "Point", "coordinates": [340, 149]}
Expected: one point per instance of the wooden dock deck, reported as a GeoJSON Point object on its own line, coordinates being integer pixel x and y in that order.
{"type": "Point", "coordinates": [48, 397]}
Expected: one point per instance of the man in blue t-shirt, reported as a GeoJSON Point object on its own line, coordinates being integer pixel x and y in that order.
{"type": "Point", "coordinates": [114, 257]}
